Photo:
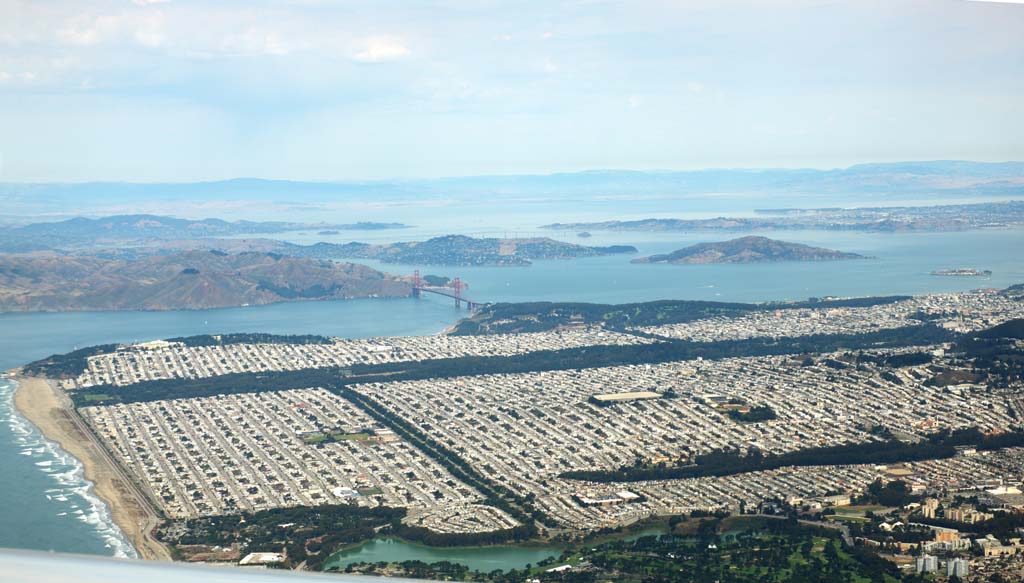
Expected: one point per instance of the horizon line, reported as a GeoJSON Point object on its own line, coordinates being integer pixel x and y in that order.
{"type": "Point", "coordinates": [513, 175]}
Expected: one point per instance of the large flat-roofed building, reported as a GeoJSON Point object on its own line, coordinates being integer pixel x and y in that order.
{"type": "Point", "coordinates": [621, 497]}
{"type": "Point", "coordinates": [613, 398]}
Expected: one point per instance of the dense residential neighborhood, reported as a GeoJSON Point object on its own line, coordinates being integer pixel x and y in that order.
{"type": "Point", "coordinates": [562, 452]}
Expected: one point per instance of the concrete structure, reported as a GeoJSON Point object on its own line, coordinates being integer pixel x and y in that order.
{"type": "Point", "coordinates": [958, 567]}
{"type": "Point", "coordinates": [261, 559]}
{"type": "Point", "coordinates": [926, 564]}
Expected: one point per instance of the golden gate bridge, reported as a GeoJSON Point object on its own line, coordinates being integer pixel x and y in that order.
{"type": "Point", "coordinates": [454, 291]}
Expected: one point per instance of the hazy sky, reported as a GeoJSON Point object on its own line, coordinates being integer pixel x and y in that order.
{"type": "Point", "coordinates": [314, 89]}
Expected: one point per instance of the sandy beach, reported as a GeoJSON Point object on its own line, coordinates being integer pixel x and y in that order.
{"type": "Point", "coordinates": [52, 412]}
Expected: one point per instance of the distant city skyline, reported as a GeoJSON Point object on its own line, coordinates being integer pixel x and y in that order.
{"type": "Point", "coordinates": [168, 90]}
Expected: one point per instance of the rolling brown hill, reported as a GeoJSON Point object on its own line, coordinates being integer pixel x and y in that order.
{"type": "Point", "coordinates": [186, 280]}
{"type": "Point", "coordinates": [748, 250]}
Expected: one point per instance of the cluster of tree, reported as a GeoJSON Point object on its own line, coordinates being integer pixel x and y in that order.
{"type": "Point", "coordinates": [546, 360]}
{"type": "Point", "coordinates": [1010, 329]}
{"type": "Point", "coordinates": [503, 318]}
{"type": "Point", "coordinates": [895, 493]}
{"type": "Point", "coordinates": [996, 353]}
{"type": "Point", "coordinates": [465, 539]}
{"type": "Point", "coordinates": [1015, 289]}
{"type": "Point", "coordinates": [439, 571]}
{"type": "Point", "coordinates": [897, 360]}
{"type": "Point", "coordinates": [781, 551]}
{"type": "Point", "coordinates": [68, 365]}
{"type": "Point", "coordinates": [725, 463]}
{"type": "Point", "coordinates": [250, 338]}
{"type": "Point", "coordinates": [311, 533]}
{"type": "Point", "coordinates": [754, 415]}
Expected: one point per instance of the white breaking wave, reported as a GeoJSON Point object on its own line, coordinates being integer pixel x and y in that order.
{"type": "Point", "coordinates": [67, 472]}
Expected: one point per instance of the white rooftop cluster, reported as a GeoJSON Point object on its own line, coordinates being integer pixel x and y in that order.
{"type": "Point", "coordinates": [959, 311]}
{"type": "Point", "coordinates": [253, 451]}
{"type": "Point", "coordinates": [149, 361]}
{"type": "Point", "coordinates": [523, 430]}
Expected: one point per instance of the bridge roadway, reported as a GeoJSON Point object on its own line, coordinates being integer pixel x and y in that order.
{"type": "Point", "coordinates": [442, 291]}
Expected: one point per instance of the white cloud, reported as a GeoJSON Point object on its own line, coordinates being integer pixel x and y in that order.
{"type": "Point", "coordinates": [149, 32]}
{"type": "Point", "coordinates": [149, 2]}
{"type": "Point", "coordinates": [381, 48]}
{"type": "Point", "coordinates": [149, 37]}
{"type": "Point", "coordinates": [24, 77]}
{"type": "Point", "coordinates": [634, 102]}
{"type": "Point", "coordinates": [89, 31]}
{"type": "Point", "coordinates": [695, 87]}
{"type": "Point", "coordinates": [255, 42]}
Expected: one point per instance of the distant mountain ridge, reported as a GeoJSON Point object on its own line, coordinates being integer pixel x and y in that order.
{"type": "Point", "coordinates": [185, 280]}
{"type": "Point", "coordinates": [80, 230]}
{"type": "Point", "coordinates": [748, 250]}
{"type": "Point", "coordinates": [871, 219]}
{"type": "Point", "coordinates": [935, 178]}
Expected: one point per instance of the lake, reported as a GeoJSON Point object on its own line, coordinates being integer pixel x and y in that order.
{"type": "Point", "coordinates": [485, 559]}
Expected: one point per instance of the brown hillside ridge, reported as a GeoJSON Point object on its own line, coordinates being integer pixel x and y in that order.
{"type": "Point", "coordinates": [748, 250]}
{"type": "Point", "coordinates": [184, 280]}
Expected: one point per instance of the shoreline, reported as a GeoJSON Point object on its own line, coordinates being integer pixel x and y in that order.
{"type": "Point", "coordinates": [94, 310]}
{"type": "Point", "coordinates": [39, 401]}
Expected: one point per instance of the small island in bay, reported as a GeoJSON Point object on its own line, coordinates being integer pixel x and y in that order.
{"type": "Point", "coordinates": [748, 250]}
{"type": "Point", "coordinates": [963, 272]}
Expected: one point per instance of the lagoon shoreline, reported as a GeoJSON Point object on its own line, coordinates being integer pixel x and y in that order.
{"type": "Point", "coordinates": [46, 407]}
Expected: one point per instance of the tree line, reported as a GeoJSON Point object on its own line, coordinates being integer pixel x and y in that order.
{"type": "Point", "coordinates": [726, 463]}
{"type": "Point", "coordinates": [542, 316]}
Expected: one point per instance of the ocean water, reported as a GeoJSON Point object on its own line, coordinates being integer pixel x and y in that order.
{"type": "Point", "coordinates": [49, 505]}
